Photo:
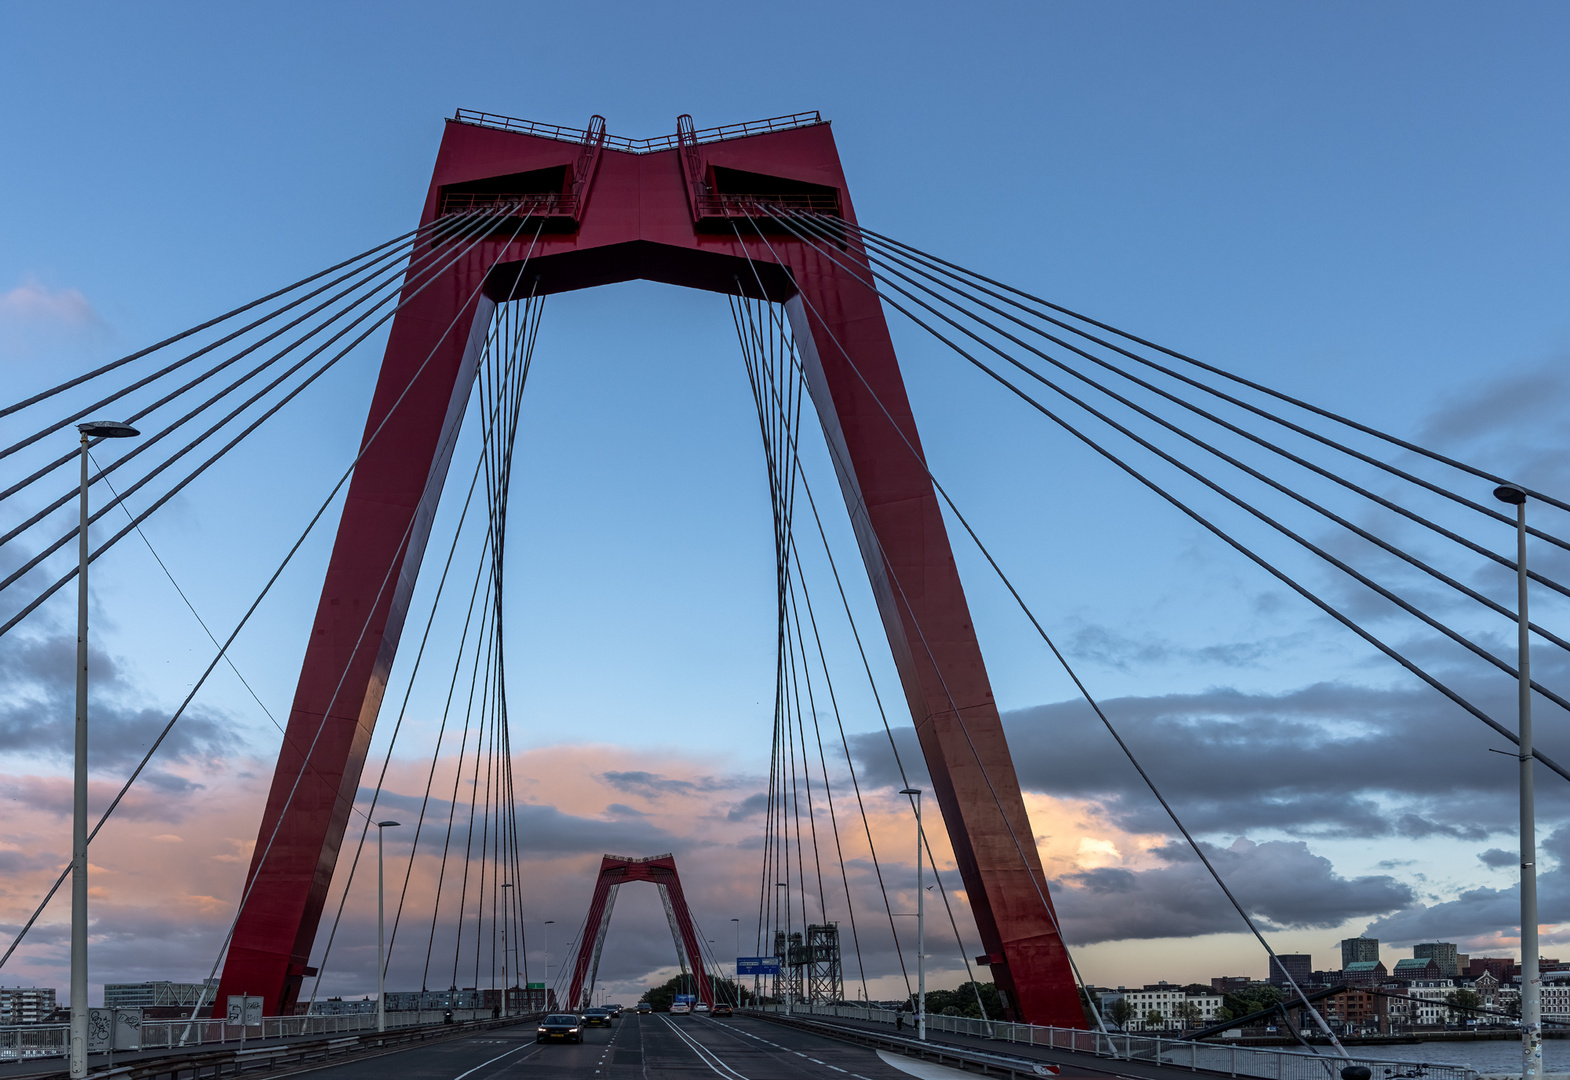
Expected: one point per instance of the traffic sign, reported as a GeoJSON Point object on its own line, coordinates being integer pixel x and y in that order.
{"type": "Point", "coordinates": [757, 965]}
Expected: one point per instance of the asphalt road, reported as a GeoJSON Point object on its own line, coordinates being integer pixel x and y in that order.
{"type": "Point", "coordinates": [653, 1047]}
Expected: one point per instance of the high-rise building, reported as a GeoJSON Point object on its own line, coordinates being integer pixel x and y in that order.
{"type": "Point", "coordinates": [1442, 953]}
{"type": "Point", "coordinates": [1359, 950]}
{"type": "Point", "coordinates": [26, 1004]}
{"type": "Point", "coordinates": [1298, 965]}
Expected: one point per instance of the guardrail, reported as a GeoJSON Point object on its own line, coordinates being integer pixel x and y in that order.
{"type": "Point", "coordinates": [28, 1041]}
{"type": "Point", "coordinates": [211, 1064]}
{"type": "Point", "coordinates": [1242, 1061]}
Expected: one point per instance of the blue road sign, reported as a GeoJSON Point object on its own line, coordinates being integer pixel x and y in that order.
{"type": "Point", "coordinates": [757, 965]}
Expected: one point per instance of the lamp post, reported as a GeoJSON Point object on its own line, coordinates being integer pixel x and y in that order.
{"type": "Point", "coordinates": [548, 924]}
{"type": "Point", "coordinates": [921, 925]}
{"type": "Point", "coordinates": [785, 960]}
{"type": "Point", "coordinates": [100, 429]}
{"type": "Point", "coordinates": [1531, 981]}
{"type": "Point", "coordinates": [381, 955]}
{"type": "Point", "coordinates": [735, 970]}
{"type": "Point", "coordinates": [506, 918]}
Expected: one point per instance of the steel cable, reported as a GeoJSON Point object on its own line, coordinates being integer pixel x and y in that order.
{"type": "Point", "coordinates": [1230, 496]}
{"type": "Point", "coordinates": [33, 605]}
{"type": "Point", "coordinates": [59, 424]}
{"type": "Point", "coordinates": [1237, 545]}
{"type": "Point", "coordinates": [1317, 469]}
{"type": "Point", "coordinates": [145, 444]}
{"type": "Point", "coordinates": [283, 812]}
{"type": "Point", "coordinates": [114, 364]}
{"type": "Point", "coordinates": [178, 454]}
{"type": "Point", "coordinates": [1259, 387]}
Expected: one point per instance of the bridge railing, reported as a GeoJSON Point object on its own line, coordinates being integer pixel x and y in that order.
{"type": "Point", "coordinates": [1242, 1061]}
{"type": "Point", "coordinates": [26, 1041]}
{"type": "Point", "coordinates": [638, 146]}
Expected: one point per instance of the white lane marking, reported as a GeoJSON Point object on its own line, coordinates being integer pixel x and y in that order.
{"type": "Point", "coordinates": [836, 1068]}
{"type": "Point", "coordinates": [494, 1060]}
{"type": "Point", "coordinates": [705, 1054]}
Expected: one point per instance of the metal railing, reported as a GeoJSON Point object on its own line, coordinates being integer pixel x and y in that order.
{"type": "Point", "coordinates": [639, 146]}
{"type": "Point", "coordinates": [721, 205]}
{"type": "Point", "coordinates": [1244, 1061]}
{"type": "Point", "coordinates": [26, 1041]}
{"type": "Point", "coordinates": [545, 204]}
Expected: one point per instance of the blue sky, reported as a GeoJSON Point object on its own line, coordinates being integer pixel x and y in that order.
{"type": "Point", "coordinates": [1360, 204]}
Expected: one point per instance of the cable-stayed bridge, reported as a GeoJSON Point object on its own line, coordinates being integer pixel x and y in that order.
{"type": "Point", "coordinates": [518, 211]}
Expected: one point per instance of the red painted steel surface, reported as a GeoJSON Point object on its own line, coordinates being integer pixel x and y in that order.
{"type": "Point", "coordinates": [636, 220]}
{"type": "Point", "coordinates": [617, 870]}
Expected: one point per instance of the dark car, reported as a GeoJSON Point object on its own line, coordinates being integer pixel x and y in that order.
{"type": "Point", "coordinates": [644, 1007]}
{"type": "Point", "coordinates": [563, 1027]}
{"type": "Point", "coordinates": [614, 1010]}
{"type": "Point", "coordinates": [597, 1018]}
{"type": "Point", "coordinates": [721, 1010]}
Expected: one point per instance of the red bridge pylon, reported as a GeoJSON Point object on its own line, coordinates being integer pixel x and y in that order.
{"type": "Point", "coordinates": [680, 209]}
{"type": "Point", "coordinates": [615, 870]}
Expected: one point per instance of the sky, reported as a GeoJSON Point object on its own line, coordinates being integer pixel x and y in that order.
{"type": "Point", "coordinates": [1361, 205]}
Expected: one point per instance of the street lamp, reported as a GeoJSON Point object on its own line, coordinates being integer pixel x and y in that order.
{"type": "Point", "coordinates": [95, 429]}
{"type": "Point", "coordinates": [381, 956]}
{"type": "Point", "coordinates": [548, 924]}
{"type": "Point", "coordinates": [735, 970]}
{"type": "Point", "coordinates": [921, 925]}
{"type": "Point", "coordinates": [785, 960]}
{"type": "Point", "coordinates": [1531, 981]}
{"type": "Point", "coordinates": [506, 918]}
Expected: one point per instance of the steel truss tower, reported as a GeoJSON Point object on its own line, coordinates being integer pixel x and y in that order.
{"type": "Point", "coordinates": [818, 959]}
{"type": "Point", "coordinates": [678, 209]}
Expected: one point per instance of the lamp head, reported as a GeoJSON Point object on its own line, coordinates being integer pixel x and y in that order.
{"type": "Point", "coordinates": [910, 791]}
{"type": "Point", "coordinates": [107, 429]}
{"type": "Point", "coordinates": [1509, 493]}
{"type": "Point", "coordinates": [388, 824]}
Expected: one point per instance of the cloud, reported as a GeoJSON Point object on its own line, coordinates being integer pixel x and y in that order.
{"type": "Point", "coordinates": [1512, 421]}
{"type": "Point", "coordinates": [751, 806]}
{"type": "Point", "coordinates": [1280, 882]}
{"type": "Point", "coordinates": [34, 303]}
{"type": "Point", "coordinates": [1122, 652]}
{"type": "Point", "coordinates": [1326, 760]}
{"type": "Point", "coordinates": [1500, 404]}
{"type": "Point", "coordinates": [38, 708]}
{"type": "Point", "coordinates": [542, 830]}
{"type": "Point", "coordinates": [1498, 858]}
{"type": "Point", "coordinates": [1479, 914]}
{"type": "Point", "coordinates": [655, 786]}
